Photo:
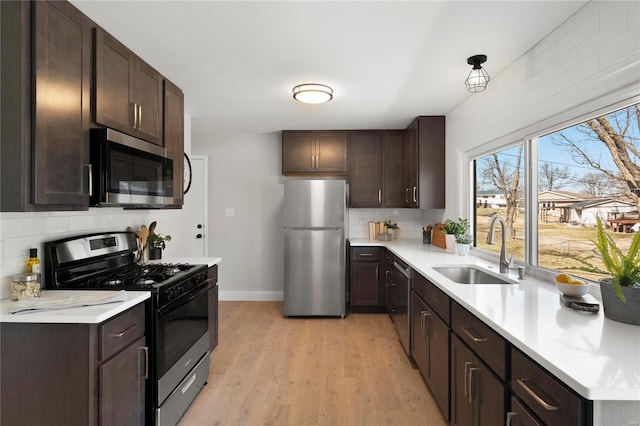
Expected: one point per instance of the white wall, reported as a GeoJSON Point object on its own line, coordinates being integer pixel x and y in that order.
{"type": "Point", "coordinates": [588, 63]}
{"type": "Point", "coordinates": [245, 175]}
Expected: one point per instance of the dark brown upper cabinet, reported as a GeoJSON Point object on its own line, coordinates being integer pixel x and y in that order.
{"type": "Point", "coordinates": [128, 92]}
{"type": "Point", "coordinates": [173, 134]}
{"type": "Point", "coordinates": [314, 152]}
{"type": "Point", "coordinates": [46, 81]}
{"type": "Point", "coordinates": [376, 168]}
{"type": "Point", "coordinates": [424, 163]}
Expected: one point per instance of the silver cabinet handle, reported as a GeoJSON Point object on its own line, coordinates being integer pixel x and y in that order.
{"type": "Point", "coordinates": [365, 254]}
{"type": "Point", "coordinates": [386, 277]}
{"type": "Point", "coordinates": [379, 195]}
{"type": "Point", "coordinates": [377, 273]}
{"type": "Point", "coordinates": [139, 117]}
{"type": "Point", "coordinates": [466, 373]}
{"type": "Point", "coordinates": [188, 384]}
{"type": "Point", "coordinates": [406, 197]}
{"type": "Point", "coordinates": [471, 371]}
{"type": "Point", "coordinates": [415, 199]}
{"type": "Point", "coordinates": [89, 168]}
{"type": "Point", "coordinates": [146, 362]}
{"type": "Point", "coordinates": [510, 415]}
{"type": "Point", "coordinates": [422, 322]}
{"type": "Point", "coordinates": [123, 332]}
{"type": "Point", "coordinates": [425, 324]}
{"type": "Point", "coordinates": [135, 115]}
{"type": "Point", "coordinates": [467, 331]}
{"type": "Point", "coordinates": [546, 405]}
{"type": "Point", "coordinates": [313, 161]}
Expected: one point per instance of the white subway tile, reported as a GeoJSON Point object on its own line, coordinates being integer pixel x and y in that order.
{"type": "Point", "coordinates": [11, 227]}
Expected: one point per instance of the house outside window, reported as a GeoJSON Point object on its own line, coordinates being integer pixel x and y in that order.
{"type": "Point", "coordinates": [570, 177]}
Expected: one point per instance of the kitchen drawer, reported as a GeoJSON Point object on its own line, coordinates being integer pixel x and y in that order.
{"type": "Point", "coordinates": [121, 331]}
{"type": "Point", "coordinates": [485, 342]}
{"type": "Point", "coordinates": [545, 396]}
{"type": "Point", "coordinates": [520, 416]}
{"type": "Point", "coordinates": [365, 254]}
{"type": "Point", "coordinates": [434, 297]}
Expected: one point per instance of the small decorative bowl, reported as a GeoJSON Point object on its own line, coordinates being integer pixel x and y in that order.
{"type": "Point", "coordinates": [573, 289]}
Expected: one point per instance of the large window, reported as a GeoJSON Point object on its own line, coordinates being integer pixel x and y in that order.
{"type": "Point", "coordinates": [570, 177]}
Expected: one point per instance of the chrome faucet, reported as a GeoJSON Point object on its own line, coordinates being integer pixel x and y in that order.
{"type": "Point", "coordinates": [504, 263]}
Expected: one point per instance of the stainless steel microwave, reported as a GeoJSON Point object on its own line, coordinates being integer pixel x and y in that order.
{"type": "Point", "coordinates": [129, 172]}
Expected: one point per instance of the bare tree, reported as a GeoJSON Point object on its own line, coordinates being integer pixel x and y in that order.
{"type": "Point", "coordinates": [552, 177]}
{"type": "Point", "coordinates": [619, 133]}
{"type": "Point", "coordinates": [505, 176]}
{"type": "Point", "coordinates": [600, 185]}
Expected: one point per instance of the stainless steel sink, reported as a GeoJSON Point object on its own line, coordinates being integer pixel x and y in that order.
{"type": "Point", "coordinates": [470, 274]}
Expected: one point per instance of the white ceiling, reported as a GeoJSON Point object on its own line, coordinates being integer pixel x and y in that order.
{"type": "Point", "coordinates": [387, 61]}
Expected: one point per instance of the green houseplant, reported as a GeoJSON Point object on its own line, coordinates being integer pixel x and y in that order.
{"type": "Point", "coordinates": [157, 243]}
{"type": "Point", "coordinates": [452, 229]}
{"type": "Point", "coordinates": [390, 227]}
{"type": "Point", "coordinates": [463, 244]}
{"type": "Point", "coordinates": [621, 292]}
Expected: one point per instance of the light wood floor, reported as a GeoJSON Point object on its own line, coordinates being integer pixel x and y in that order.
{"type": "Point", "coordinates": [271, 370]}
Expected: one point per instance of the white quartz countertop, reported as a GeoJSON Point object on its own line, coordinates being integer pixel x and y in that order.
{"type": "Point", "coordinates": [597, 357]}
{"type": "Point", "coordinates": [79, 315]}
{"type": "Point", "coordinates": [209, 261]}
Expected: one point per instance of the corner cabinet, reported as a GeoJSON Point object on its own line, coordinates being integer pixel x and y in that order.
{"type": "Point", "coordinates": [425, 163]}
{"type": "Point", "coordinates": [49, 47]}
{"type": "Point", "coordinates": [128, 92]}
{"type": "Point", "coordinates": [314, 152]}
{"type": "Point", "coordinates": [97, 372]}
{"type": "Point", "coordinates": [376, 168]}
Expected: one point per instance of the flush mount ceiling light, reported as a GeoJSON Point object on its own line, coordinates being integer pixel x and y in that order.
{"type": "Point", "coordinates": [478, 77]}
{"type": "Point", "coordinates": [312, 93]}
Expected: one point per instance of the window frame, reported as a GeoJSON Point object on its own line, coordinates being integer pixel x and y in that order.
{"type": "Point", "coordinates": [529, 138]}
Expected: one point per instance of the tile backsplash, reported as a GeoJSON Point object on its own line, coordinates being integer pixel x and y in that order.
{"type": "Point", "coordinates": [410, 221]}
{"type": "Point", "coordinates": [21, 231]}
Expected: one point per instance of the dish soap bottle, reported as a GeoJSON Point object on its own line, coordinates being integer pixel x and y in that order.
{"type": "Point", "coordinates": [33, 263]}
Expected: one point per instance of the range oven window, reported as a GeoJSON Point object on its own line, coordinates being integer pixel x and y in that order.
{"type": "Point", "coordinates": [180, 325]}
{"type": "Point", "coordinates": [136, 172]}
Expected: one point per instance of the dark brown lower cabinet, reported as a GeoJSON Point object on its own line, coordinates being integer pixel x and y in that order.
{"type": "Point", "coordinates": [520, 416]}
{"type": "Point", "coordinates": [430, 350]}
{"type": "Point", "coordinates": [477, 395]}
{"type": "Point", "coordinates": [74, 374]}
{"type": "Point", "coordinates": [367, 288]}
{"type": "Point", "coordinates": [212, 277]}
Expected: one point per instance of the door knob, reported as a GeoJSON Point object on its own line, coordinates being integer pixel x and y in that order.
{"type": "Point", "coordinates": [199, 236]}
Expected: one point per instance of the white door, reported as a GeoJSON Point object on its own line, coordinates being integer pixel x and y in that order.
{"type": "Point", "coordinates": [194, 228]}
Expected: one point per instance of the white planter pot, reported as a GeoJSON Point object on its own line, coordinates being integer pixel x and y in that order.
{"type": "Point", "coordinates": [450, 241]}
{"type": "Point", "coordinates": [463, 249]}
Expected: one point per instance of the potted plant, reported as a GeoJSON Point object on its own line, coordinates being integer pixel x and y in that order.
{"type": "Point", "coordinates": [157, 243]}
{"type": "Point", "coordinates": [452, 229]}
{"type": "Point", "coordinates": [391, 227]}
{"type": "Point", "coordinates": [621, 292]}
{"type": "Point", "coordinates": [463, 244]}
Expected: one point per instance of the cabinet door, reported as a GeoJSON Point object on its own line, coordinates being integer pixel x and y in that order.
{"type": "Point", "coordinates": [393, 168]}
{"type": "Point", "coordinates": [439, 336]}
{"type": "Point", "coordinates": [431, 146]}
{"type": "Point", "coordinates": [298, 152]}
{"type": "Point", "coordinates": [365, 169]}
{"type": "Point", "coordinates": [477, 396]}
{"type": "Point", "coordinates": [62, 72]}
{"type": "Point", "coordinates": [122, 386]}
{"type": "Point", "coordinates": [411, 161]}
{"type": "Point", "coordinates": [518, 415]}
{"type": "Point", "coordinates": [173, 136]}
{"type": "Point", "coordinates": [147, 96]}
{"type": "Point", "coordinates": [364, 284]}
{"type": "Point", "coordinates": [114, 65]}
{"type": "Point", "coordinates": [420, 341]}
{"type": "Point", "coordinates": [331, 152]}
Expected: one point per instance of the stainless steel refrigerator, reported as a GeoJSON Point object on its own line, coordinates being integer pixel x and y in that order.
{"type": "Point", "coordinates": [315, 216]}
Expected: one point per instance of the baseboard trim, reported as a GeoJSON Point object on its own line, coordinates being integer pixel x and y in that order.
{"type": "Point", "coordinates": [255, 296]}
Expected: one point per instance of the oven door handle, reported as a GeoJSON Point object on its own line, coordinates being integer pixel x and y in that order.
{"type": "Point", "coordinates": [203, 288]}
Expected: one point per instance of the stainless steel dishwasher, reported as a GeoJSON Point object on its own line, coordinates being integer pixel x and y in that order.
{"type": "Point", "coordinates": [400, 315]}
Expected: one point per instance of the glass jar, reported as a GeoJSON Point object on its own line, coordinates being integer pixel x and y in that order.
{"type": "Point", "coordinates": [24, 286]}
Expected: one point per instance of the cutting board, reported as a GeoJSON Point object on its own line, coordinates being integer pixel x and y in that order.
{"type": "Point", "coordinates": [437, 238]}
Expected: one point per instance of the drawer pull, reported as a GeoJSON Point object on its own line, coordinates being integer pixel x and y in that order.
{"type": "Point", "coordinates": [510, 416]}
{"type": "Point", "coordinates": [123, 332]}
{"type": "Point", "coordinates": [547, 406]}
{"type": "Point", "coordinates": [471, 387]}
{"type": "Point", "coordinates": [188, 384]}
{"type": "Point", "coordinates": [365, 254]}
{"type": "Point", "coordinates": [467, 389]}
{"type": "Point", "coordinates": [469, 333]}
{"type": "Point", "coordinates": [146, 361]}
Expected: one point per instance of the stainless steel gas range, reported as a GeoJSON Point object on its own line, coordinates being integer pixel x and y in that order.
{"type": "Point", "coordinates": [176, 315]}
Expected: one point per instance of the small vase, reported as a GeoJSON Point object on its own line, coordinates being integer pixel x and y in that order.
{"type": "Point", "coordinates": [617, 310]}
{"type": "Point", "coordinates": [463, 249]}
{"type": "Point", "coordinates": [390, 232]}
{"type": "Point", "coordinates": [450, 240]}
{"type": "Point", "coordinates": [155, 253]}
